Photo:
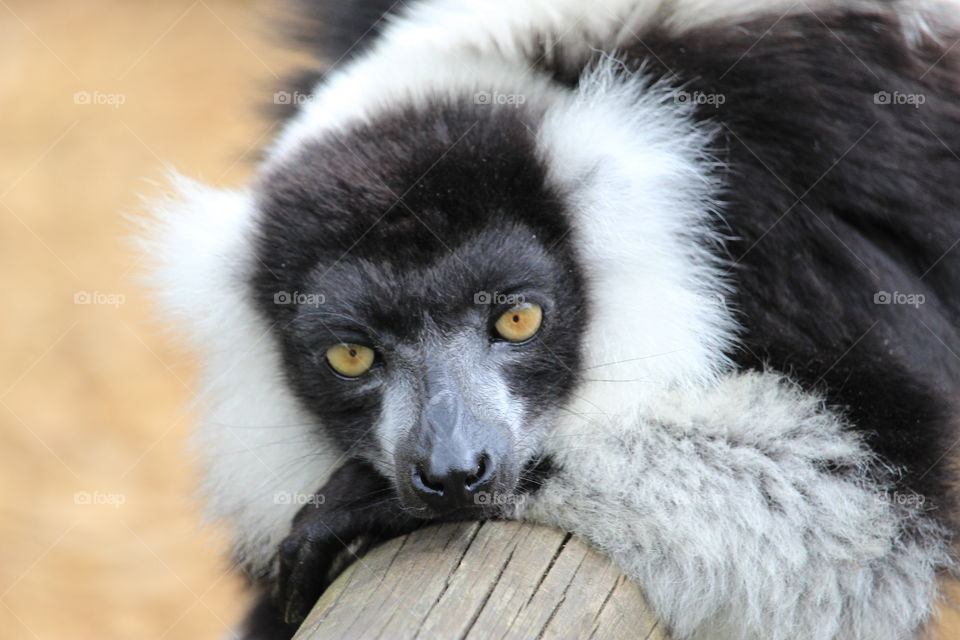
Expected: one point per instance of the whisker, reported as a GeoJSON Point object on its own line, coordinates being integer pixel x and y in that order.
{"type": "Point", "coordinates": [292, 425]}
{"type": "Point", "coordinates": [655, 355]}
{"type": "Point", "coordinates": [264, 445]}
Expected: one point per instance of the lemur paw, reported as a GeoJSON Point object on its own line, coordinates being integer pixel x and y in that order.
{"type": "Point", "coordinates": [306, 558]}
{"type": "Point", "coordinates": [355, 502]}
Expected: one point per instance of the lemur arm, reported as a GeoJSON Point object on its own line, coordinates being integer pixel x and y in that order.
{"type": "Point", "coordinates": [747, 511]}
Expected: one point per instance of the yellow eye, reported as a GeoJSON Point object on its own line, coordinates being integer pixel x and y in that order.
{"type": "Point", "coordinates": [350, 360]}
{"type": "Point", "coordinates": [520, 323]}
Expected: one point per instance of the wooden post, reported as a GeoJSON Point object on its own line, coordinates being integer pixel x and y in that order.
{"type": "Point", "coordinates": [482, 580]}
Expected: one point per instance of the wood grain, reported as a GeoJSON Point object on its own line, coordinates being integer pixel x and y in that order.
{"type": "Point", "coordinates": [484, 581]}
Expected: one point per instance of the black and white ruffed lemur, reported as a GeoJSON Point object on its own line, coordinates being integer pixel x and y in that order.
{"type": "Point", "coordinates": [680, 277]}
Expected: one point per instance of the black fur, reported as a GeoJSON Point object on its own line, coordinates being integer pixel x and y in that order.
{"type": "Point", "coordinates": [265, 620]}
{"type": "Point", "coordinates": [337, 30]}
{"type": "Point", "coordinates": [832, 199]}
{"type": "Point", "coordinates": [334, 32]}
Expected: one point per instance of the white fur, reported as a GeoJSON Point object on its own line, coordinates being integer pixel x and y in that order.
{"type": "Point", "coordinates": [376, 85]}
{"type": "Point", "coordinates": [716, 502]}
{"type": "Point", "coordinates": [641, 190]}
{"type": "Point", "coordinates": [261, 454]}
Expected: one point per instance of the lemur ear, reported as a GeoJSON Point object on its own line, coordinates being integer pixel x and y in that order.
{"type": "Point", "coordinates": [199, 245]}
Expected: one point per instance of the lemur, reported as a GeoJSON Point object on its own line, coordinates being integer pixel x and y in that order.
{"type": "Point", "coordinates": [676, 276]}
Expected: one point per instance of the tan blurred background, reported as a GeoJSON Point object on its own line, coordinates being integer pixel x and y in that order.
{"type": "Point", "coordinates": [99, 535]}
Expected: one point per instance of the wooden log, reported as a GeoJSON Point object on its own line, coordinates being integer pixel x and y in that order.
{"type": "Point", "coordinates": [482, 580]}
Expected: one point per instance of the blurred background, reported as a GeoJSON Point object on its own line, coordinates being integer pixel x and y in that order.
{"type": "Point", "coordinates": [100, 536]}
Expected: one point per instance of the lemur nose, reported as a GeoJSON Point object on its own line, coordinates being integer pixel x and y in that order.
{"type": "Point", "coordinates": [452, 486]}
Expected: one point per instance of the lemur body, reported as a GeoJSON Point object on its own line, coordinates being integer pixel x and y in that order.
{"type": "Point", "coordinates": [716, 212]}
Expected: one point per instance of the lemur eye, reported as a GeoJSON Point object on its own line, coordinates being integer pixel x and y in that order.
{"type": "Point", "coordinates": [520, 323]}
{"type": "Point", "coordinates": [350, 360]}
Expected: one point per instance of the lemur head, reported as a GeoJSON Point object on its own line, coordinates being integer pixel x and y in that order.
{"type": "Point", "coordinates": [429, 281]}
{"type": "Point", "coordinates": [419, 273]}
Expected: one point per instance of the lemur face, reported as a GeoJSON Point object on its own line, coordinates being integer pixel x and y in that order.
{"type": "Point", "coordinates": [417, 273]}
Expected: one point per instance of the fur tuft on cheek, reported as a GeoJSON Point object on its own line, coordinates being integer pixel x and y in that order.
{"type": "Point", "coordinates": [262, 455]}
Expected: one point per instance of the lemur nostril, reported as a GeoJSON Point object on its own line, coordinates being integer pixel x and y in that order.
{"type": "Point", "coordinates": [478, 473]}
{"type": "Point", "coordinates": [424, 480]}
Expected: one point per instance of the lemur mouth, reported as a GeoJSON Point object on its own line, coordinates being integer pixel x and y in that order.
{"type": "Point", "coordinates": [467, 514]}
